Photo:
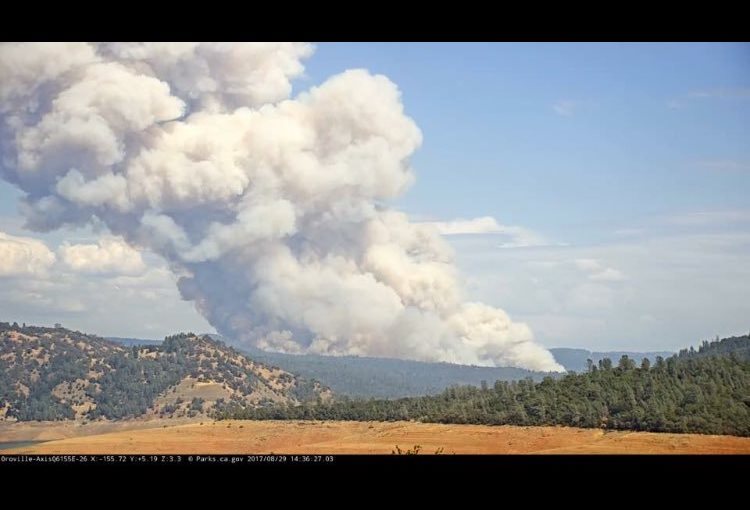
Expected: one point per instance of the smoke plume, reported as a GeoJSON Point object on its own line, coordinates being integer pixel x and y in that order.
{"type": "Point", "coordinates": [269, 208]}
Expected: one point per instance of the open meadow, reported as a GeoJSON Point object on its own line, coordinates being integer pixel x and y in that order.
{"type": "Point", "coordinates": [322, 437]}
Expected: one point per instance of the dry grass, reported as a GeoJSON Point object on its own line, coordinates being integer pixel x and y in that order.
{"type": "Point", "coordinates": [56, 430]}
{"type": "Point", "coordinates": [377, 438]}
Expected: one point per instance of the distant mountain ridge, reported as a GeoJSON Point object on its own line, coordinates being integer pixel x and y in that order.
{"type": "Point", "coordinates": [366, 377]}
{"type": "Point", "coordinates": [572, 359]}
{"type": "Point", "coordinates": [56, 373]}
{"type": "Point", "coordinates": [130, 342]}
{"type": "Point", "coordinates": [575, 359]}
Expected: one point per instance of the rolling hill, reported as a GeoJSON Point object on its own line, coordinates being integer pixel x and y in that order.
{"type": "Point", "coordinates": [367, 377]}
{"type": "Point", "coordinates": [55, 373]}
{"type": "Point", "coordinates": [703, 391]}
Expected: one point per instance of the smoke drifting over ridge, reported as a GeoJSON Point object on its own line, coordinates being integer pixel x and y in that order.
{"type": "Point", "coordinates": [268, 208]}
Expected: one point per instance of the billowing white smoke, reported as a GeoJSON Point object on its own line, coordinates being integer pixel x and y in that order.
{"type": "Point", "coordinates": [269, 207]}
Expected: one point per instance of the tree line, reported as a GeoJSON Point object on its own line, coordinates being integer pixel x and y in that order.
{"type": "Point", "coordinates": [705, 391]}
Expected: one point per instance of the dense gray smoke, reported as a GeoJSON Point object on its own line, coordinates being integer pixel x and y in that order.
{"type": "Point", "coordinates": [269, 208]}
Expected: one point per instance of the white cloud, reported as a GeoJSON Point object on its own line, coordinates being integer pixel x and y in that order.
{"type": "Point", "coordinates": [23, 256]}
{"type": "Point", "coordinates": [516, 237]}
{"type": "Point", "coordinates": [598, 272]}
{"type": "Point", "coordinates": [593, 297]}
{"type": "Point", "coordinates": [608, 275]}
{"type": "Point", "coordinates": [135, 296]}
{"type": "Point", "coordinates": [520, 237]}
{"type": "Point", "coordinates": [483, 225]}
{"type": "Point", "coordinates": [111, 255]}
{"type": "Point", "coordinates": [587, 264]}
{"type": "Point", "coordinates": [661, 291]}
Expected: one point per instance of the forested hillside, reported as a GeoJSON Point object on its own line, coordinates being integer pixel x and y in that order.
{"type": "Point", "coordinates": [55, 374]}
{"type": "Point", "coordinates": [130, 342]}
{"type": "Point", "coordinates": [365, 377]}
{"type": "Point", "coordinates": [388, 378]}
{"type": "Point", "coordinates": [705, 391]}
{"type": "Point", "coordinates": [576, 360]}
{"type": "Point", "coordinates": [737, 346]}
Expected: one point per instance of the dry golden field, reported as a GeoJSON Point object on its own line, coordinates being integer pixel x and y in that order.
{"type": "Point", "coordinates": [236, 436]}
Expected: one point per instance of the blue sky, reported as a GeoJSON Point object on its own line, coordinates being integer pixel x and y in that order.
{"type": "Point", "coordinates": [631, 142]}
{"type": "Point", "coordinates": [629, 164]}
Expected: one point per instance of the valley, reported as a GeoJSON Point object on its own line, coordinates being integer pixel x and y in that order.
{"type": "Point", "coordinates": [64, 391]}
